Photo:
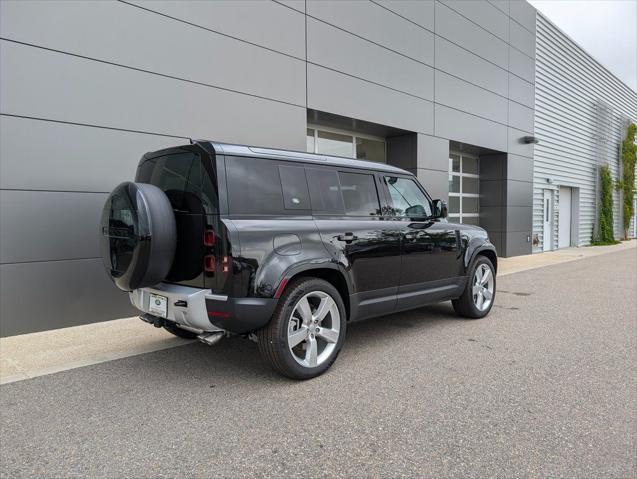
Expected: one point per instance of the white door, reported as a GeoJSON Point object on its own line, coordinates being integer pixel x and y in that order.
{"type": "Point", "coordinates": [548, 220]}
{"type": "Point", "coordinates": [564, 236]}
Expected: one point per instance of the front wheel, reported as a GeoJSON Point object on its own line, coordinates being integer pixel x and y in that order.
{"type": "Point", "coordinates": [307, 329]}
{"type": "Point", "coordinates": [479, 293]}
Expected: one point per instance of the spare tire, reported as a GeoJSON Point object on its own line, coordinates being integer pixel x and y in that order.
{"type": "Point", "coordinates": [138, 235]}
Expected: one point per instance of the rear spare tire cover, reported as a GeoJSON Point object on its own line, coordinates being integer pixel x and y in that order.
{"type": "Point", "coordinates": [138, 235]}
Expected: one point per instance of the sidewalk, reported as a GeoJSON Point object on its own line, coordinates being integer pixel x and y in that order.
{"type": "Point", "coordinates": [37, 354]}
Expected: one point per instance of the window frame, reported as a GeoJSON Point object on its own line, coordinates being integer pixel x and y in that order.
{"type": "Point", "coordinates": [353, 135]}
{"type": "Point", "coordinates": [460, 194]}
{"type": "Point", "coordinates": [389, 204]}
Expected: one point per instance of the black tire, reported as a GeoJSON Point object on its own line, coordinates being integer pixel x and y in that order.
{"type": "Point", "coordinates": [273, 338]}
{"type": "Point", "coordinates": [177, 331]}
{"type": "Point", "coordinates": [138, 235]}
{"type": "Point", "coordinates": [465, 305]}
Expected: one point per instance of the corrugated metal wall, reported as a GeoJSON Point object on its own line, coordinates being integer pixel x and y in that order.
{"type": "Point", "coordinates": [580, 113]}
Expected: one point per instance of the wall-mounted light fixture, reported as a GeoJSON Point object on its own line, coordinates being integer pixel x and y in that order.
{"type": "Point", "coordinates": [530, 139]}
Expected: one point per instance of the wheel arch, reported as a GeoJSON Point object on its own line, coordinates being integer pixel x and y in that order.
{"type": "Point", "coordinates": [490, 254]}
{"type": "Point", "coordinates": [332, 275]}
{"type": "Point", "coordinates": [478, 246]}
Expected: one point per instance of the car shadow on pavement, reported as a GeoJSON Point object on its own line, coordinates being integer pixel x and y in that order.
{"type": "Point", "coordinates": [237, 359]}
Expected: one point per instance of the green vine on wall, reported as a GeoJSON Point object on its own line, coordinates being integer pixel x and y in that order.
{"type": "Point", "coordinates": [627, 184]}
{"type": "Point", "coordinates": [605, 235]}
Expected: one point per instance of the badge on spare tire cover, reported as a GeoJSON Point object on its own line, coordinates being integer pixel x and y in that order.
{"type": "Point", "coordinates": [138, 235]}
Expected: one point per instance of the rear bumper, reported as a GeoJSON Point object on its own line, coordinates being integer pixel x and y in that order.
{"type": "Point", "coordinates": [203, 310]}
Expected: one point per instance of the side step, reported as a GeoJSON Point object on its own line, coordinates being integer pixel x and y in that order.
{"type": "Point", "coordinates": [211, 338]}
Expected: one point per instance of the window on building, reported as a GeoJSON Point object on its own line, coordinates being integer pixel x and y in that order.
{"type": "Point", "coordinates": [328, 141]}
{"type": "Point", "coordinates": [464, 188]}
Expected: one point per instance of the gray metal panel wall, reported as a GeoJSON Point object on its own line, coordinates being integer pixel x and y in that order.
{"type": "Point", "coordinates": [87, 88]}
{"type": "Point", "coordinates": [569, 85]}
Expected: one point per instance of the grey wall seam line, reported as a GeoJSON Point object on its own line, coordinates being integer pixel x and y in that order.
{"type": "Point", "coordinates": [490, 33]}
{"type": "Point", "coordinates": [307, 98]}
{"type": "Point", "coordinates": [38, 190]}
{"type": "Point", "coordinates": [292, 8]}
{"type": "Point", "coordinates": [523, 26]}
{"type": "Point", "coordinates": [498, 8]}
{"type": "Point", "coordinates": [50, 260]}
{"type": "Point", "coordinates": [442, 2]}
{"type": "Point", "coordinates": [403, 17]}
{"type": "Point", "coordinates": [434, 86]}
{"type": "Point", "coordinates": [367, 40]}
{"type": "Point", "coordinates": [89, 125]}
{"type": "Point", "coordinates": [210, 29]}
{"type": "Point", "coordinates": [486, 60]}
{"type": "Point", "coordinates": [370, 81]}
{"type": "Point", "coordinates": [142, 70]}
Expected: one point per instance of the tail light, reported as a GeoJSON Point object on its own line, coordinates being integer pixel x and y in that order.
{"type": "Point", "coordinates": [225, 267]}
{"type": "Point", "coordinates": [210, 263]}
{"type": "Point", "coordinates": [209, 238]}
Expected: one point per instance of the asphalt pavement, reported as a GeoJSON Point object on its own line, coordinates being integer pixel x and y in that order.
{"type": "Point", "coordinates": [546, 386]}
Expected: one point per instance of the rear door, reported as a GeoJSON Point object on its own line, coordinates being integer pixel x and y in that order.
{"type": "Point", "coordinates": [187, 175]}
{"type": "Point", "coordinates": [347, 209]}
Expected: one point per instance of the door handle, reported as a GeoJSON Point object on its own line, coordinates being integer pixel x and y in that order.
{"type": "Point", "coordinates": [347, 237]}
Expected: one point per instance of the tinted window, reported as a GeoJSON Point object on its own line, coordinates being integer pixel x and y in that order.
{"type": "Point", "coordinates": [324, 191]}
{"type": "Point", "coordinates": [359, 194]}
{"type": "Point", "coordinates": [407, 198]}
{"type": "Point", "coordinates": [294, 184]}
{"type": "Point", "coordinates": [185, 180]}
{"type": "Point", "coordinates": [254, 186]}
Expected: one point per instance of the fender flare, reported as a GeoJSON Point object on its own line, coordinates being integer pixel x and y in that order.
{"type": "Point", "coordinates": [316, 264]}
{"type": "Point", "coordinates": [476, 246]}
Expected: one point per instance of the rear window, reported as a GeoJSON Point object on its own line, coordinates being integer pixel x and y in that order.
{"type": "Point", "coordinates": [254, 186]}
{"type": "Point", "coordinates": [186, 180]}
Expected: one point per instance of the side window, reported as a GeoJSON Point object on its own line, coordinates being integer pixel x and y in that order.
{"type": "Point", "coordinates": [407, 198]}
{"type": "Point", "coordinates": [359, 194]}
{"type": "Point", "coordinates": [254, 186]}
{"type": "Point", "coordinates": [325, 191]}
{"type": "Point", "coordinates": [294, 184]}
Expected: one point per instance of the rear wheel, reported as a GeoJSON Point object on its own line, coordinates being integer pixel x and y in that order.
{"type": "Point", "coordinates": [307, 329]}
{"type": "Point", "coordinates": [479, 293]}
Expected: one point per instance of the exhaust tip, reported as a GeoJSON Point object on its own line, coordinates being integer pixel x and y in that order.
{"type": "Point", "coordinates": [211, 338]}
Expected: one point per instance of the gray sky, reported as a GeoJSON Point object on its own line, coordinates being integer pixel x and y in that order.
{"type": "Point", "coordinates": [607, 29]}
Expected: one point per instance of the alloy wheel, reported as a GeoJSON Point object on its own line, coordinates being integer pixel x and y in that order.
{"type": "Point", "coordinates": [483, 286]}
{"type": "Point", "coordinates": [314, 329]}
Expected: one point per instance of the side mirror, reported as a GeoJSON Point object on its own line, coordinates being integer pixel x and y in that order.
{"type": "Point", "coordinates": [415, 211]}
{"type": "Point", "coordinates": [440, 209]}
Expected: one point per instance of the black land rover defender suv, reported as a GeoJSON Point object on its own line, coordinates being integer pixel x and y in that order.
{"type": "Point", "coordinates": [286, 248]}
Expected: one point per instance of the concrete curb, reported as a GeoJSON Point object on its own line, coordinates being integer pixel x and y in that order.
{"type": "Point", "coordinates": [37, 354]}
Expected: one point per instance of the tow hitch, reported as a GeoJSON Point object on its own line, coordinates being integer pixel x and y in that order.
{"type": "Point", "coordinates": [154, 320]}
